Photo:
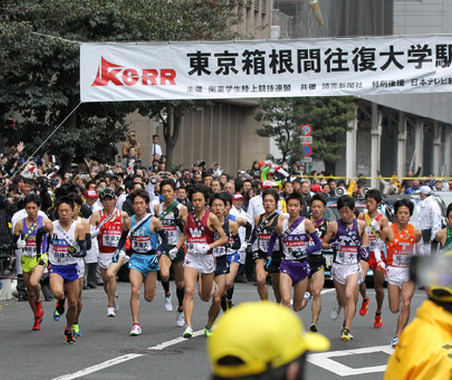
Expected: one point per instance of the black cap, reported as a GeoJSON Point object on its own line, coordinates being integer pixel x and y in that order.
{"type": "Point", "coordinates": [107, 193]}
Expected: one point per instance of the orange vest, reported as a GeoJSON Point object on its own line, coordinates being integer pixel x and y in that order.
{"type": "Point", "coordinates": [401, 248]}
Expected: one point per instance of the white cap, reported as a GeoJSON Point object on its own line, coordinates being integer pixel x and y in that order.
{"type": "Point", "coordinates": [425, 190]}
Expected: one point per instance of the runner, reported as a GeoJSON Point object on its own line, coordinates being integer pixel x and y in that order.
{"type": "Point", "coordinates": [316, 261]}
{"type": "Point", "coordinates": [265, 225]}
{"type": "Point", "coordinates": [108, 224]}
{"type": "Point", "coordinates": [199, 260]}
{"type": "Point", "coordinates": [67, 245]}
{"type": "Point", "coordinates": [294, 233]}
{"type": "Point", "coordinates": [173, 216]}
{"type": "Point", "coordinates": [142, 229]}
{"type": "Point", "coordinates": [30, 234]}
{"type": "Point", "coordinates": [349, 245]}
{"type": "Point", "coordinates": [218, 204]}
{"type": "Point", "coordinates": [400, 239]}
{"type": "Point", "coordinates": [238, 256]}
{"type": "Point", "coordinates": [375, 221]}
{"type": "Point", "coordinates": [444, 237]}
{"type": "Point", "coordinates": [77, 199]}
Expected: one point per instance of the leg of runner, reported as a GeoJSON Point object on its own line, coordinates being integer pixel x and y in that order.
{"type": "Point", "coordinates": [362, 288]}
{"type": "Point", "coordinates": [150, 284]}
{"type": "Point", "coordinates": [379, 278]}
{"type": "Point", "coordinates": [57, 289]}
{"type": "Point", "coordinates": [32, 283]}
{"type": "Point", "coordinates": [261, 276]}
{"type": "Point", "coordinates": [110, 286]}
{"type": "Point", "coordinates": [230, 279]}
{"type": "Point", "coordinates": [275, 286]}
{"type": "Point", "coordinates": [215, 307]}
{"type": "Point", "coordinates": [180, 291]}
{"type": "Point", "coordinates": [165, 265]}
{"type": "Point", "coordinates": [407, 292]}
{"type": "Point", "coordinates": [298, 294]}
{"type": "Point", "coordinates": [190, 278]}
{"type": "Point", "coordinates": [75, 327]}
{"type": "Point", "coordinates": [72, 289]}
{"type": "Point", "coordinates": [285, 287]}
{"type": "Point", "coordinates": [317, 282]}
{"type": "Point", "coordinates": [136, 279]}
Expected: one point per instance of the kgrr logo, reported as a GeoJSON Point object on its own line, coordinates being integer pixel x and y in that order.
{"type": "Point", "coordinates": [120, 75]}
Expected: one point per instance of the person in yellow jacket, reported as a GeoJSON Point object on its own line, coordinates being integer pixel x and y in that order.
{"type": "Point", "coordinates": [424, 350]}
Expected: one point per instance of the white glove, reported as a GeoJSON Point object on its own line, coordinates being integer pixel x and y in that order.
{"type": "Point", "coordinates": [21, 244]}
{"type": "Point", "coordinates": [374, 225]}
{"type": "Point", "coordinates": [95, 232]}
{"type": "Point", "coordinates": [172, 253]}
{"type": "Point", "coordinates": [122, 254]}
{"type": "Point", "coordinates": [381, 265]}
{"type": "Point", "coordinates": [244, 245]}
{"type": "Point", "coordinates": [202, 249]}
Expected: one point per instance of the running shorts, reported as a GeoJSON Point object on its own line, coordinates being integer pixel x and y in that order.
{"type": "Point", "coordinates": [28, 263]}
{"type": "Point", "coordinates": [340, 272]}
{"type": "Point", "coordinates": [144, 263]}
{"type": "Point", "coordinates": [317, 263]}
{"type": "Point", "coordinates": [204, 264]}
{"type": "Point", "coordinates": [68, 272]}
{"type": "Point", "coordinates": [274, 264]}
{"type": "Point", "coordinates": [296, 270]}
{"type": "Point", "coordinates": [234, 258]}
{"type": "Point", "coordinates": [222, 265]}
{"type": "Point", "coordinates": [397, 275]}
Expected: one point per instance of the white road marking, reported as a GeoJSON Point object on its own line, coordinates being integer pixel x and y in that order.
{"type": "Point", "coordinates": [98, 367]}
{"type": "Point", "coordinates": [124, 358]}
{"type": "Point", "coordinates": [325, 361]}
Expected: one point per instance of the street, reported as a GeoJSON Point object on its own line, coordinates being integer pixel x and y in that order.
{"type": "Point", "coordinates": [106, 351]}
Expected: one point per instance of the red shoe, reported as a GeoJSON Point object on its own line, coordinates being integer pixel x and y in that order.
{"type": "Point", "coordinates": [39, 310]}
{"type": "Point", "coordinates": [364, 306]}
{"type": "Point", "coordinates": [37, 324]}
{"type": "Point", "coordinates": [378, 322]}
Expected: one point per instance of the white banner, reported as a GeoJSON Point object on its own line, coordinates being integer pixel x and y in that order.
{"type": "Point", "coordinates": [260, 69]}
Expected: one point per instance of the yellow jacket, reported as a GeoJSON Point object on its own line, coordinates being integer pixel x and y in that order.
{"type": "Point", "coordinates": [424, 350]}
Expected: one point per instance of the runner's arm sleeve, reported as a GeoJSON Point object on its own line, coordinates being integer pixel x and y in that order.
{"type": "Point", "coordinates": [14, 240]}
{"type": "Point", "coordinates": [122, 240]}
{"type": "Point", "coordinates": [164, 242]}
{"type": "Point", "coordinates": [88, 241]}
{"type": "Point", "coordinates": [271, 243]}
{"type": "Point", "coordinates": [237, 243]}
{"type": "Point", "coordinates": [249, 231]}
{"type": "Point", "coordinates": [39, 234]}
{"type": "Point", "coordinates": [317, 246]}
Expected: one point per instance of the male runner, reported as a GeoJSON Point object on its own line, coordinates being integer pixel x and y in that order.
{"type": "Point", "coordinates": [375, 221]}
{"type": "Point", "coordinates": [32, 232]}
{"type": "Point", "coordinates": [316, 260]}
{"type": "Point", "coordinates": [67, 245]}
{"type": "Point", "coordinates": [400, 239]}
{"type": "Point", "coordinates": [350, 244]}
{"type": "Point", "coordinates": [142, 230]}
{"type": "Point", "coordinates": [199, 260]}
{"type": "Point", "coordinates": [173, 216]}
{"type": "Point", "coordinates": [218, 204]}
{"type": "Point", "coordinates": [109, 225]}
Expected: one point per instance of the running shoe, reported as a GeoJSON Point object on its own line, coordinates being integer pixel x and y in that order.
{"type": "Point", "coordinates": [188, 333]}
{"type": "Point", "coordinates": [336, 312]}
{"type": "Point", "coordinates": [229, 304]}
{"type": "Point", "coordinates": [69, 337]}
{"type": "Point", "coordinates": [378, 321]}
{"type": "Point", "coordinates": [59, 310]}
{"type": "Point", "coordinates": [180, 320]}
{"type": "Point", "coordinates": [207, 331]}
{"type": "Point", "coordinates": [136, 330]}
{"type": "Point", "coordinates": [168, 303]}
{"type": "Point", "coordinates": [364, 306]}
{"type": "Point", "coordinates": [313, 327]}
{"type": "Point", "coordinates": [346, 336]}
{"type": "Point", "coordinates": [76, 330]}
{"type": "Point", "coordinates": [116, 305]}
{"type": "Point", "coordinates": [111, 311]}
{"type": "Point", "coordinates": [37, 324]}
{"type": "Point", "coordinates": [39, 310]}
{"type": "Point", "coordinates": [394, 342]}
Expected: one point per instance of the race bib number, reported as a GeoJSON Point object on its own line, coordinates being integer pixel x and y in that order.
{"type": "Point", "coordinates": [347, 255]}
{"type": "Point", "coordinates": [30, 248]}
{"type": "Point", "coordinates": [141, 244]}
{"type": "Point", "coordinates": [263, 243]}
{"type": "Point", "coordinates": [111, 239]}
{"type": "Point", "coordinates": [295, 246]}
{"type": "Point", "coordinates": [171, 233]}
{"type": "Point", "coordinates": [401, 260]}
{"type": "Point", "coordinates": [193, 242]}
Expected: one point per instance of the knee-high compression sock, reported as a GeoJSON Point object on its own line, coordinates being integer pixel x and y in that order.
{"type": "Point", "coordinates": [229, 293]}
{"type": "Point", "coordinates": [165, 285]}
{"type": "Point", "coordinates": [180, 295]}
